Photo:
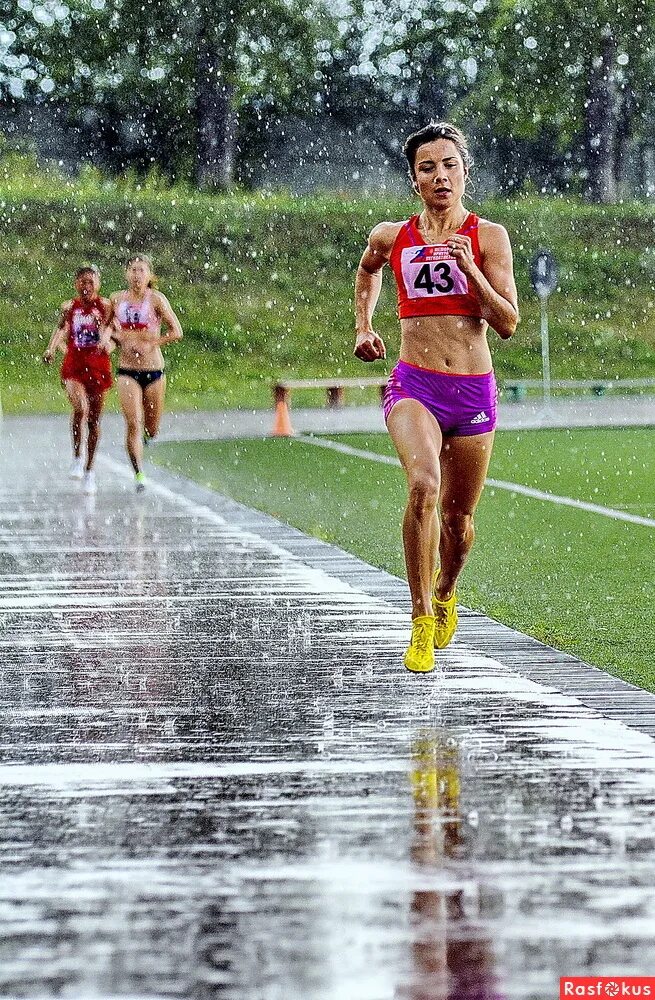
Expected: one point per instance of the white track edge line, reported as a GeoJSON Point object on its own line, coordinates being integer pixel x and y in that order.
{"type": "Point", "coordinates": [500, 484]}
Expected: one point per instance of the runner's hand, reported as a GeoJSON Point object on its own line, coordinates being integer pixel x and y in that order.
{"type": "Point", "coordinates": [151, 337]}
{"type": "Point", "coordinates": [369, 347]}
{"type": "Point", "coordinates": [47, 357]}
{"type": "Point", "coordinates": [462, 251]}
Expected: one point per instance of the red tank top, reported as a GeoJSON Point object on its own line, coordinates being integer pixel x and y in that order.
{"type": "Point", "coordinates": [430, 281]}
{"type": "Point", "coordinates": [85, 320]}
{"type": "Point", "coordinates": [85, 361]}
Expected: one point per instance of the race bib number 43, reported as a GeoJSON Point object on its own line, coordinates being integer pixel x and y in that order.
{"type": "Point", "coordinates": [431, 271]}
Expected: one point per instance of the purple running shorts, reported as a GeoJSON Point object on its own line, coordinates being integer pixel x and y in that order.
{"type": "Point", "coordinates": [461, 404]}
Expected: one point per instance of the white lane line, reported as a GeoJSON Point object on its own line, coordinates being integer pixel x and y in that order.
{"type": "Point", "coordinates": [84, 775]}
{"type": "Point", "coordinates": [499, 484]}
{"type": "Point", "coordinates": [347, 449]}
{"type": "Point", "coordinates": [592, 508]}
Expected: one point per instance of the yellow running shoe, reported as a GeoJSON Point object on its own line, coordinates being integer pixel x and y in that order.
{"type": "Point", "coordinates": [445, 615]}
{"type": "Point", "coordinates": [419, 656]}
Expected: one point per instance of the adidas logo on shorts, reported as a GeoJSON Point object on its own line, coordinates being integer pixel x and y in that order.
{"type": "Point", "coordinates": [480, 418]}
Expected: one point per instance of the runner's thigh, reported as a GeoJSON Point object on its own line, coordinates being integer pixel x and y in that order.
{"type": "Point", "coordinates": [464, 466]}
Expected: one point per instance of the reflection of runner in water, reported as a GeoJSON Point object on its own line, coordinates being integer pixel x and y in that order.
{"type": "Point", "coordinates": [453, 958]}
{"type": "Point", "coordinates": [138, 314]}
{"type": "Point", "coordinates": [86, 369]}
{"type": "Point", "coordinates": [454, 277]}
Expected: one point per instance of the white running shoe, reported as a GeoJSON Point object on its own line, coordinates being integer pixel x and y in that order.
{"type": "Point", "coordinates": [89, 482]}
{"type": "Point", "coordinates": [76, 470]}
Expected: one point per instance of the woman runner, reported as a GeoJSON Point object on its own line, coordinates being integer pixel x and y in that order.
{"type": "Point", "coordinates": [455, 279]}
{"type": "Point", "coordinates": [86, 369]}
{"type": "Point", "coordinates": [137, 315]}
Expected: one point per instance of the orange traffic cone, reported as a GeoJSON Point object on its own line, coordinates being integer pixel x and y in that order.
{"type": "Point", "coordinates": [282, 423]}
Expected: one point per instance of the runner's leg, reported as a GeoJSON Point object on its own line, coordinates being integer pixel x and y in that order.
{"type": "Point", "coordinates": [464, 466]}
{"type": "Point", "coordinates": [417, 438]}
{"type": "Point", "coordinates": [153, 405]}
{"type": "Point", "coordinates": [79, 402]}
{"type": "Point", "coordinates": [131, 399]}
{"type": "Point", "coordinates": [96, 403]}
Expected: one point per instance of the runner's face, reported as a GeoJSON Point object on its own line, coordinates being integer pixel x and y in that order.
{"type": "Point", "coordinates": [87, 285]}
{"type": "Point", "coordinates": [440, 174]}
{"type": "Point", "coordinates": [138, 275]}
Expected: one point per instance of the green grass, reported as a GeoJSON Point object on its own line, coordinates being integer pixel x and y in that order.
{"type": "Point", "coordinates": [576, 580]}
{"type": "Point", "coordinates": [263, 282]}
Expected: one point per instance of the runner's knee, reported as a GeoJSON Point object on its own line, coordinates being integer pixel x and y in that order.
{"type": "Point", "coordinates": [459, 526]}
{"type": "Point", "coordinates": [423, 491]}
{"type": "Point", "coordinates": [133, 425]}
{"type": "Point", "coordinates": [78, 401]}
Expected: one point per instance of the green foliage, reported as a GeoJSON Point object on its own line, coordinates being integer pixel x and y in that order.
{"type": "Point", "coordinates": [130, 81]}
{"type": "Point", "coordinates": [520, 75]}
{"type": "Point", "coordinates": [538, 97]}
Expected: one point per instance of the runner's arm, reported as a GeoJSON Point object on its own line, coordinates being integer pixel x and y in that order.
{"type": "Point", "coordinates": [368, 283]}
{"type": "Point", "coordinates": [169, 319]}
{"type": "Point", "coordinates": [58, 338]}
{"type": "Point", "coordinates": [107, 339]}
{"type": "Point", "coordinates": [112, 329]}
{"type": "Point", "coordinates": [494, 285]}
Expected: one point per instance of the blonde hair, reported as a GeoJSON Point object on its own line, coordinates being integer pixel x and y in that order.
{"type": "Point", "coordinates": [145, 259]}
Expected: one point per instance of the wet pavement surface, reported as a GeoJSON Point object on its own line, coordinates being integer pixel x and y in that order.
{"type": "Point", "coordinates": [217, 780]}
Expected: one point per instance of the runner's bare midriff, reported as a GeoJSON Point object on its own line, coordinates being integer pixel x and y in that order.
{"type": "Point", "coordinates": [455, 344]}
{"type": "Point", "coordinates": [140, 351]}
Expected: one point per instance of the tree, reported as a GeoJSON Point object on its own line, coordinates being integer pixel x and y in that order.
{"type": "Point", "coordinates": [165, 87]}
{"type": "Point", "coordinates": [576, 77]}
{"type": "Point", "coordinates": [396, 67]}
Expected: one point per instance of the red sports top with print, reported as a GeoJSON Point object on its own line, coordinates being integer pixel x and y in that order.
{"type": "Point", "coordinates": [85, 361]}
{"type": "Point", "coordinates": [430, 281]}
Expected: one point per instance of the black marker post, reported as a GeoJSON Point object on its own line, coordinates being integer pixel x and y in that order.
{"type": "Point", "coordinates": [543, 275]}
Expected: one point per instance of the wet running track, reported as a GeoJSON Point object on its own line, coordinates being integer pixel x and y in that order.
{"type": "Point", "coordinates": [217, 780]}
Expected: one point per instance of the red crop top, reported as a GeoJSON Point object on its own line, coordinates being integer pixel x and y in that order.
{"type": "Point", "coordinates": [430, 281]}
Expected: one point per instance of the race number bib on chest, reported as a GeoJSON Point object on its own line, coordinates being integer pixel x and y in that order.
{"type": "Point", "coordinates": [85, 328]}
{"type": "Point", "coordinates": [431, 271]}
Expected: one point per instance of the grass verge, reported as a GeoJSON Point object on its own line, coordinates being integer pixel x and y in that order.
{"type": "Point", "coordinates": [263, 283]}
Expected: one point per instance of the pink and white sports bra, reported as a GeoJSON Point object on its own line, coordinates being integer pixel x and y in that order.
{"type": "Point", "coordinates": [137, 315]}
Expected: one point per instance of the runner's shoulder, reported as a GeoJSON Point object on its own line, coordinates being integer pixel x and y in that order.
{"type": "Point", "coordinates": [492, 234]}
{"type": "Point", "coordinates": [383, 236]}
{"type": "Point", "coordinates": [158, 297]}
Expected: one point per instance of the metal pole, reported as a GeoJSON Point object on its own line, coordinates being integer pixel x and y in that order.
{"type": "Point", "coordinates": [545, 351]}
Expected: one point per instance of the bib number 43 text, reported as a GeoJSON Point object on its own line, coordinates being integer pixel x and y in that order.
{"type": "Point", "coordinates": [434, 279]}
